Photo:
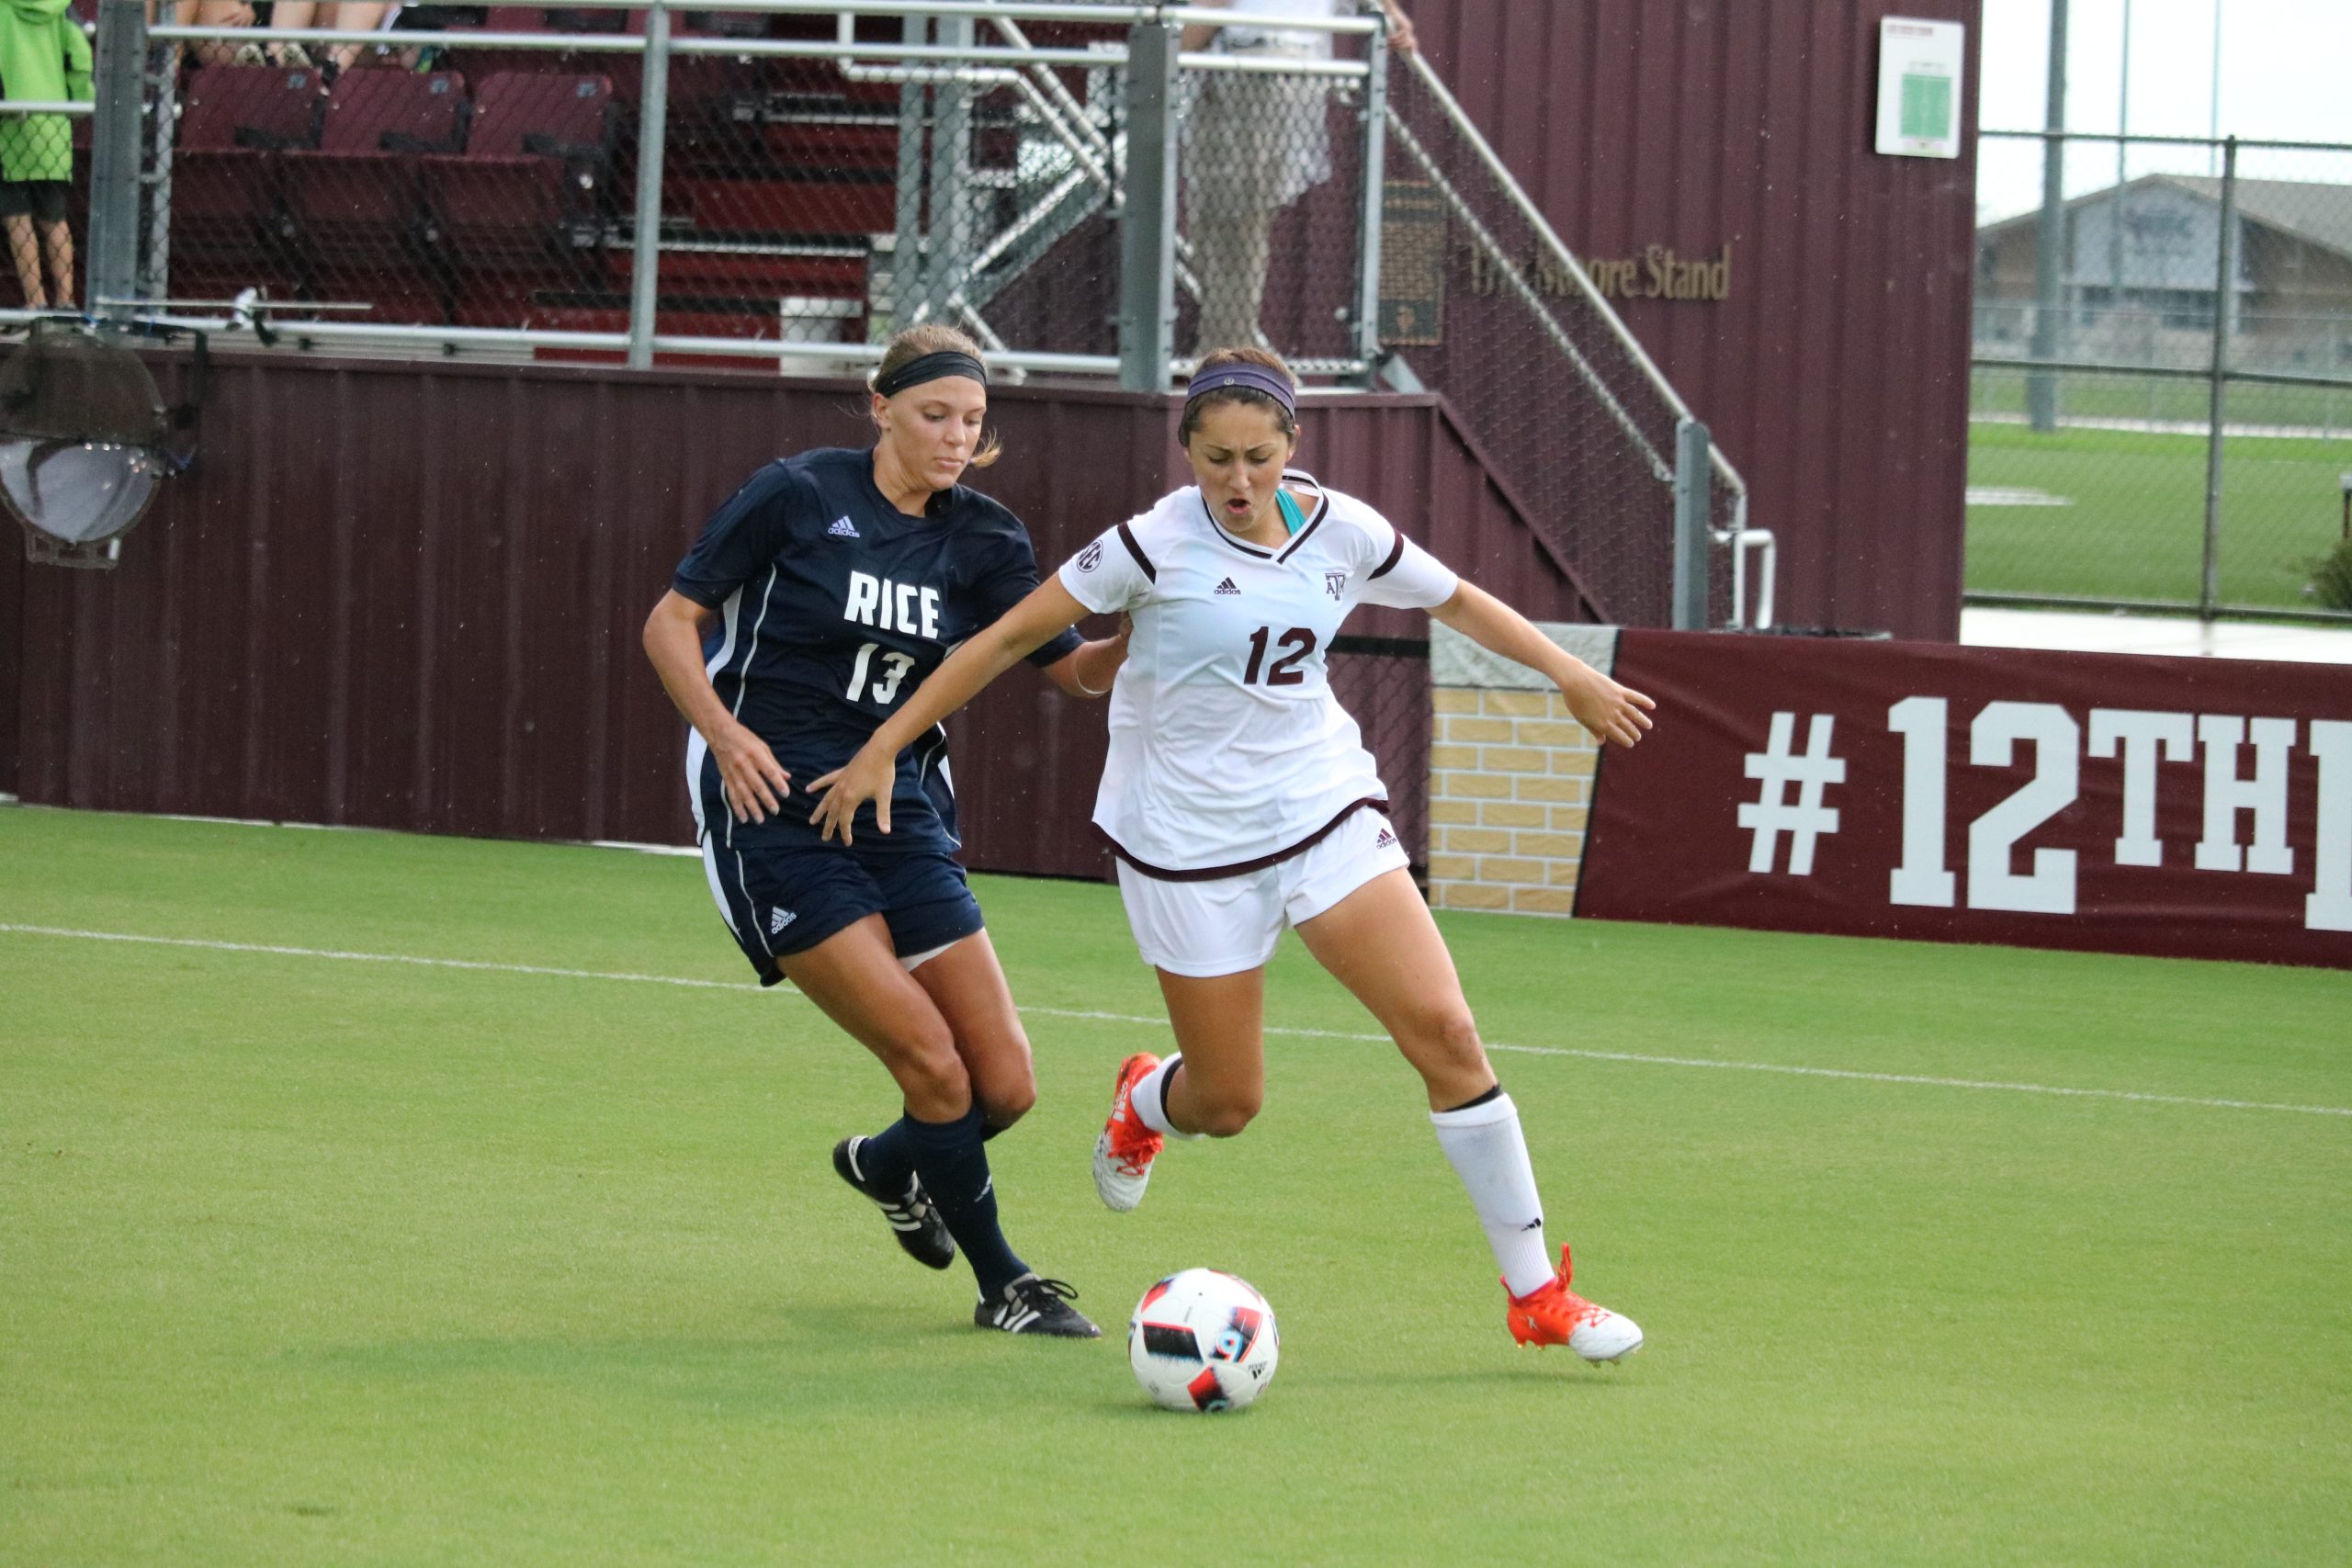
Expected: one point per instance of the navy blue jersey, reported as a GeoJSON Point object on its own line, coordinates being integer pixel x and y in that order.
{"type": "Point", "coordinates": [834, 604]}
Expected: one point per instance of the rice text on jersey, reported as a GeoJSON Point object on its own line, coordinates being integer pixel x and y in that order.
{"type": "Point", "coordinates": [892, 607]}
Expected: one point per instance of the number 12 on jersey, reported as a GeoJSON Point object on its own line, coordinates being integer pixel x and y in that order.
{"type": "Point", "coordinates": [1285, 671]}
{"type": "Point", "coordinates": [885, 684]}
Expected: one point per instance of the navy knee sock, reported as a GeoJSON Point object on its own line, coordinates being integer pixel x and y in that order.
{"type": "Point", "coordinates": [887, 1158]}
{"type": "Point", "coordinates": [955, 1171]}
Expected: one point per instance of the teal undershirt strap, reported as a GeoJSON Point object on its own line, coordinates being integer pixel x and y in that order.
{"type": "Point", "coordinates": [1293, 518]}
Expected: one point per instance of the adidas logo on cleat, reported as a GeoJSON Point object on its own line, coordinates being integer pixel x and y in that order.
{"type": "Point", "coordinates": [1227, 587]}
{"type": "Point", "coordinates": [780, 918]}
{"type": "Point", "coordinates": [842, 527]}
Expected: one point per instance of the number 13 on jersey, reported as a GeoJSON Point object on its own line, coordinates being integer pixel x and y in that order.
{"type": "Point", "coordinates": [884, 682]}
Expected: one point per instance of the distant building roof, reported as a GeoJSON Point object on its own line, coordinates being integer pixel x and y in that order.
{"type": "Point", "coordinates": [2313, 212]}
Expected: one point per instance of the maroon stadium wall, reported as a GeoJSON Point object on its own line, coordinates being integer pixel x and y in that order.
{"type": "Point", "coordinates": [1835, 374]}
{"type": "Point", "coordinates": [2190, 807]}
{"type": "Point", "coordinates": [409, 596]}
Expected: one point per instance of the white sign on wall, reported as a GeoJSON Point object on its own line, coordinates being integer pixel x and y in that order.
{"type": "Point", "coordinates": [1919, 70]}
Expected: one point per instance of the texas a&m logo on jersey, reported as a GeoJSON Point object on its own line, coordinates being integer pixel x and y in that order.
{"type": "Point", "coordinates": [1091, 556]}
{"type": "Point", "coordinates": [1335, 584]}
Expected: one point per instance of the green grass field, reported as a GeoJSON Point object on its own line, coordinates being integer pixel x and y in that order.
{"type": "Point", "coordinates": [2325, 411]}
{"type": "Point", "coordinates": [2136, 528]}
{"type": "Point", "coordinates": [308, 1258]}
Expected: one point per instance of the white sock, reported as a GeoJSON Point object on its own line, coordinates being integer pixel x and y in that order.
{"type": "Point", "coordinates": [1148, 1101]}
{"type": "Point", "coordinates": [1485, 1145]}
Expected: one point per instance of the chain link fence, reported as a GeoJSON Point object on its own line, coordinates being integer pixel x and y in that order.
{"type": "Point", "coordinates": [1384, 682]}
{"type": "Point", "coordinates": [781, 173]}
{"type": "Point", "coordinates": [2189, 443]}
{"type": "Point", "coordinates": [1481, 301]}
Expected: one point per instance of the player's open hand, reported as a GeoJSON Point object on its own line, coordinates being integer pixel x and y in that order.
{"type": "Point", "coordinates": [847, 788]}
{"type": "Point", "coordinates": [1613, 713]}
{"type": "Point", "coordinates": [755, 781]}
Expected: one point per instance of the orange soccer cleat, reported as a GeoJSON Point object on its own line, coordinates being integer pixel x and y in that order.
{"type": "Point", "coordinates": [1553, 1314]}
{"type": "Point", "coordinates": [1123, 1155]}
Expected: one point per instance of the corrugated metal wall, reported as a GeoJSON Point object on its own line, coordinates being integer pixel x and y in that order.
{"type": "Point", "coordinates": [1836, 373]}
{"type": "Point", "coordinates": [409, 596]}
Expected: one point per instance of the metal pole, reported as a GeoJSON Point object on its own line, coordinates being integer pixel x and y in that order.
{"type": "Point", "coordinates": [1693, 470]}
{"type": "Point", "coordinates": [909, 281]}
{"type": "Point", "coordinates": [1148, 232]}
{"type": "Point", "coordinates": [2214, 100]}
{"type": "Point", "coordinates": [2225, 273]}
{"type": "Point", "coordinates": [155, 253]}
{"type": "Point", "coordinates": [953, 200]}
{"type": "Point", "coordinates": [2042, 386]}
{"type": "Point", "coordinates": [2115, 205]}
{"type": "Point", "coordinates": [120, 69]}
{"type": "Point", "coordinates": [1375, 185]}
{"type": "Point", "coordinates": [652, 137]}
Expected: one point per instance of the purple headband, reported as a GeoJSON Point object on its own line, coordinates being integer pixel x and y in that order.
{"type": "Point", "coordinates": [1248, 376]}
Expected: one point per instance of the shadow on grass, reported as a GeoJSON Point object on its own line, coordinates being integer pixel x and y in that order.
{"type": "Point", "coordinates": [905, 1358]}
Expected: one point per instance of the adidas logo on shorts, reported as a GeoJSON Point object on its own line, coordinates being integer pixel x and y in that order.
{"type": "Point", "coordinates": [842, 527]}
{"type": "Point", "coordinates": [780, 918]}
{"type": "Point", "coordinates": [1227, 587]}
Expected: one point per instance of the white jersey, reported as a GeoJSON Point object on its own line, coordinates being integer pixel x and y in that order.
{"type": "Point", "coordinates": [1228, 750]}
{"type": "Point", "coordinates": [1250, 29]}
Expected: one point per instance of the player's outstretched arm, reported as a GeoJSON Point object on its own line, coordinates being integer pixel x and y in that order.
{"type": "Point", "coordinates": [1610, 711]}
{"type": "Point", "coordinates": [988, 654]}
{"type": "Point", "coordinates": [756, 783]}
{"type": "Point", "coordinates": [1086, 671]}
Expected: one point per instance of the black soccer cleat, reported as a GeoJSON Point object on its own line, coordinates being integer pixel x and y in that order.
{"type": "Point", "coordinates": [913, 1217]}
{"type": "Point", "coordinates": [1032, 1305]}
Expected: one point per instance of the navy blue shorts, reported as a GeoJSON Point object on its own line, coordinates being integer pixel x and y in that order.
{"type": "Point", "coordinates": [780, 901]}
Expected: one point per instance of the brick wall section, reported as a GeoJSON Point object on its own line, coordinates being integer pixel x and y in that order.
{"type": "Point", "coordinates": [1510, 776]}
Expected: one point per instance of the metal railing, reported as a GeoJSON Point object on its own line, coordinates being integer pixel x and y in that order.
{"type": "Point", "coordinates": [2161, 409]}
{"type": "Point", "coordinates": [1010, 164]}
{"type": "Point", "coordinates": [1563, 400]}
{"type": "Point", "coordinates": [783, 182]}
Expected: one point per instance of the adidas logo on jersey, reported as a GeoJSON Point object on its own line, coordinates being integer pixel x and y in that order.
{"type": "Point", "coordinates": [1227, 587]}
{"type": "Point", "coordinates": [780, 918]}
{"type": "Point", "coordinates": [1387, 841]}
{"type": "Point", "coordinates": [842, 527]}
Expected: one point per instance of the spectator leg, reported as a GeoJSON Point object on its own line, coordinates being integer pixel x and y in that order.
{"type": "Point", "coordinates": [61, 264]}
{"type": "Point", "coordinates": [25, 250]}
{"type": "Point", "coordinates": [355, 19]}
{"type": "Point", "coordinates": [1229, 255]}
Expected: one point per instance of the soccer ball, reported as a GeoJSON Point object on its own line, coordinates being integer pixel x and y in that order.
{"type": "Point", "coordinates": [1202, 1340]}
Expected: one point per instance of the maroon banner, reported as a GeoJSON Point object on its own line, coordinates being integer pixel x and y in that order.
{"type": "Point", "coordinates": [2190, 807]}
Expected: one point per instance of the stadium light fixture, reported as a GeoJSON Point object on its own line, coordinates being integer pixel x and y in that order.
{"type": "Point", "coordinates": [83, 443]}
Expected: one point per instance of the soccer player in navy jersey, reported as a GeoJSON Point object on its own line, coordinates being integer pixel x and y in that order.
{"type": "Point", "coordinates": [816, 598]}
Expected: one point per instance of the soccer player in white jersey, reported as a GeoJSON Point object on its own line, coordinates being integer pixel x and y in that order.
{"type": "Point", "coordinates": [1239, 798]}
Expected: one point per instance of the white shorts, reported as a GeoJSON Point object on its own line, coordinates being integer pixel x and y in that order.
{"type": "Point", "coordinates": [1231, 924]}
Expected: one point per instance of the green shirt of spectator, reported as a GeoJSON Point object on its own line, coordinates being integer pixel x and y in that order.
{"type": "Point", "coordinates": [43, 59]}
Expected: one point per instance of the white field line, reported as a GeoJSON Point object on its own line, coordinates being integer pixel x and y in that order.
{"type": "Point", "coordinates": [1921, 1080]}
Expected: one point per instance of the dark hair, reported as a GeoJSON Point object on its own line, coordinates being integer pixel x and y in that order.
{"type": "Point", "coordinates": [1284, 420]}
{"type": "Point", "coordinates": [935, 337]}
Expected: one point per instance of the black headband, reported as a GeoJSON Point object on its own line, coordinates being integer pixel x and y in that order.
{"type": "Point", "coordinates": [931, 368]}
{"type": "Point", "coordinates": [1248, 377]}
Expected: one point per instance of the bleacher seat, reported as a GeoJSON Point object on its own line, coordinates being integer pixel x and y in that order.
{"type": "Point", "coordinates": [235, 121]}
{"type": "Point", "coordinates": [526, 195]}
{"type": "Point", "coordinates": [355, 205]}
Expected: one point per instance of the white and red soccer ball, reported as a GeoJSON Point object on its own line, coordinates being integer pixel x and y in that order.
{"type": "Point", "coordinates": [1202, 1340]}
